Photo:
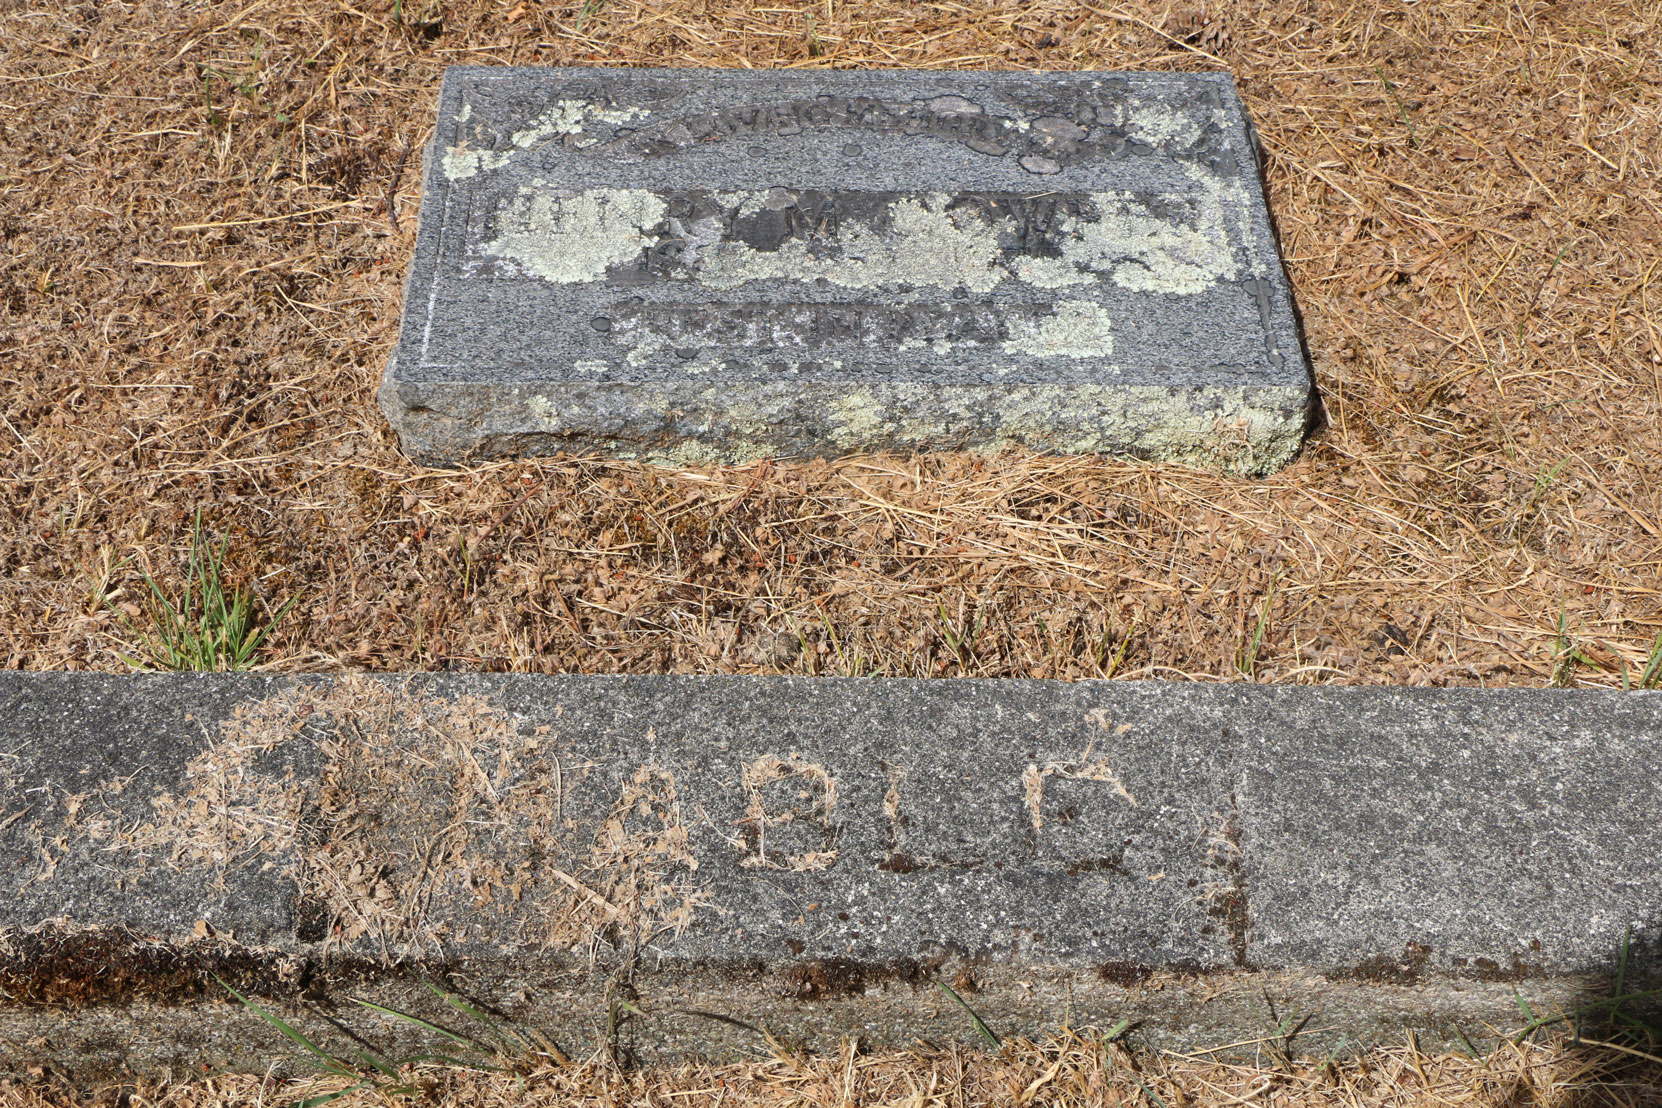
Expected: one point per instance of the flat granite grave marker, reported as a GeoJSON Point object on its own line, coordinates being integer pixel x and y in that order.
{"type": "Point", "coordinates": [695, 266]}
{"type": "Point", "coordinates": [808, 856]}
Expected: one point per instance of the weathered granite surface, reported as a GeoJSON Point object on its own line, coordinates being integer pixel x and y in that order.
{"type": "Point", "coordinates": [808, 856]}
{"type": "Point", "coordinates": [695, 265]}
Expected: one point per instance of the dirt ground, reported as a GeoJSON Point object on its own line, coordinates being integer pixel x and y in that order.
{"type": "Point", "coordinates": [206, 209]}
{"type": "Point", "coordinates": [1067, 1069]}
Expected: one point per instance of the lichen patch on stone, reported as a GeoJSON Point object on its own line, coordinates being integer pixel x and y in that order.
{"type": "Point", "coordinates": [644, 345]}
{"type": "Point", "coordinates": [1145, 252]}
{"type": "Point", "coordinates": [1050, 273]}
{"type": "Point", "coordinates": [923, 241]}
{"type": "Point", "coordinates": [1076, 329]}
{"type": "Point", "coordinates": [1159, 124]}
{"type": "Point", "coordinates": [858, 417]}
{"type": "Point", "coordinates": [567, 239]}
{"type": "Point", "coordinates": [542, 409]}
{"type": "Point", "coordinates": [1211, 428]}
{"type": "Point", "coordinates": [927, 244]}
{"type": "Point", "coordinates": [932, 244]}
{"type": "Point", "coordinates": [566, 117]}
{"type": "Point", "coordinates": [460, 162]}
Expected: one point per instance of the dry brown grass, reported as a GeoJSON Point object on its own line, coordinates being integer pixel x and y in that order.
{"type": "Point", "coordinates": [200, 276]}
{"type": "Point", "coordinates": [203, 229]}
{"type": "Point", "coordinates": [1066, 1069]}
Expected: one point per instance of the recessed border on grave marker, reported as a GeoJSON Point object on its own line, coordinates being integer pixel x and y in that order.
{"type": "Point", "coordinates": [701, 266]}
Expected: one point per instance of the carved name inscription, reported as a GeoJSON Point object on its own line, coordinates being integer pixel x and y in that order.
{"type": "Point", "coordinates": [1092, 121]}
{"type": "Point", "coordinates": [816, 326]}
{"type": "Point", "coordinates": [1055, 814]}
{"type": "Point", "coordinates": [961, 242]}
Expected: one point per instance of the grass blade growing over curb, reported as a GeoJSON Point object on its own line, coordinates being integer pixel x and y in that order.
{"type": "Point", "coordinates": [327, 1061]}
{"type": "Point", "coordinates": [416, 1021]}
{"type": "Point", "coordinates": [386, 1077]}
{"type": "Point", "coordinates": [980, 1025]}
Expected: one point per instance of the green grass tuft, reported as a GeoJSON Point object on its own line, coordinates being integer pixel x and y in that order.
{"type": "Point", "coordinates": [1616, 1021]}
{"type": "Point", "coordinates": [211, 627]}
{"type": "Point", "coordinates": [391, 1078]}
{"type": "Point", "coordinates": [1651, 676]}
{"type": "Point", "coordinates": [1246, 658]}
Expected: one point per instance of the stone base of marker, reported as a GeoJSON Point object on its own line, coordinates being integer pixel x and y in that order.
{"type": "Point", "coordinates": [809, 857]}
{"type": "Point", "coordinates": [1236, 430]}
{"type": "Point", "coordinates": [695, 266]}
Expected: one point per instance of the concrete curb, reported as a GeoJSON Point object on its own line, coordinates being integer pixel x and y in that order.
{"type": "Point", "coordinates": [808, 857]}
